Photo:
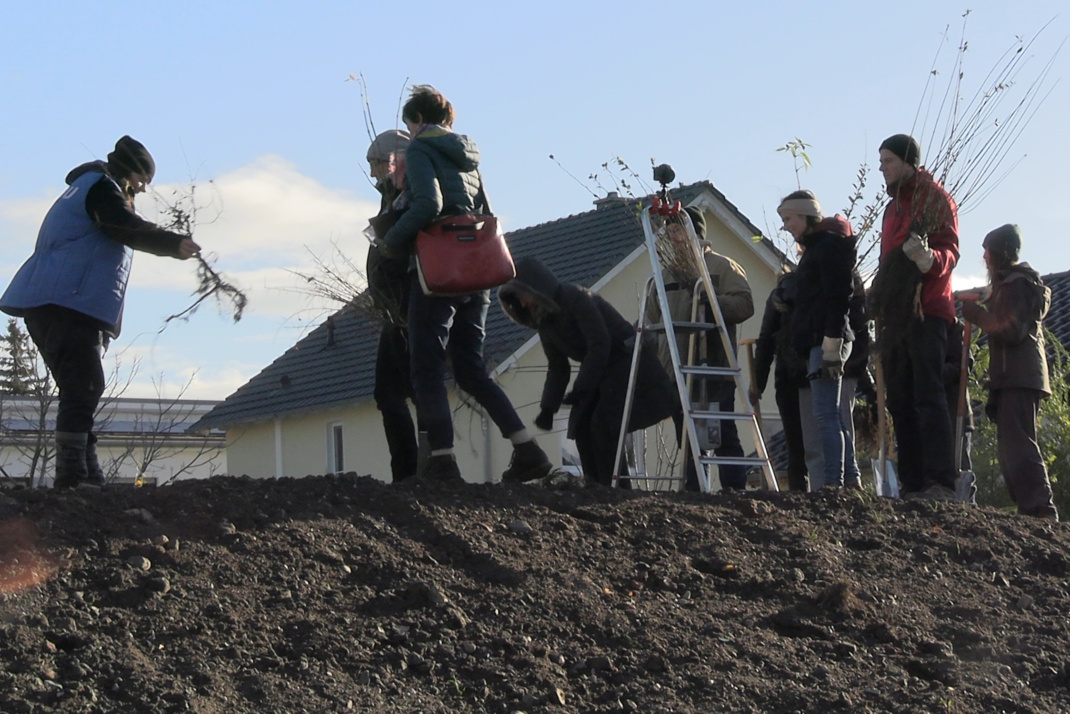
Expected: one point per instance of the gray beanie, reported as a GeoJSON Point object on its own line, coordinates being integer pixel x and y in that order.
{"type": "Point", "coordinates": [1005, 241]}
{"type": "Point", "coordinates": [393, 141]}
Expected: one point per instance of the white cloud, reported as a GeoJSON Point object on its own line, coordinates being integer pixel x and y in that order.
{"type": "Point", "coordinates": [263, 224]}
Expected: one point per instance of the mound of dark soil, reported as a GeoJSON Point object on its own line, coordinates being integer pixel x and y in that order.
{"type": "Point", "coordinates": [345, 594]}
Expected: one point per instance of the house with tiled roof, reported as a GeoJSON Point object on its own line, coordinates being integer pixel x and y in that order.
{"type": "Point", "coordinates": [311, 410]}
{"type": "Point", "coordinates": [1058, 319]}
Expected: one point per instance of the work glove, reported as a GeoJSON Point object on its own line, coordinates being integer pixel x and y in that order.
{"type": "Point", "coordinates": [917, 249]}
{"type": "Point", "coordinates": [393, 247]}
{"type": "Point", "coordinates": [831, 361]}
{"type": "Point", "coordinates": [755, 397]}
{"type": "Point", "coordinates": [545, 420]}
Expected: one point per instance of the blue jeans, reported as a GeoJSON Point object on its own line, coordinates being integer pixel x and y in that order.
{"type": "Point", "coordinates": [453, 326]}
{"type": "Point", "coordinates": [826, 404]}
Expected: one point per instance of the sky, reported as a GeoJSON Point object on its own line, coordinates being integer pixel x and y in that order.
{"type": "Point", "coordinates": [262, 108]}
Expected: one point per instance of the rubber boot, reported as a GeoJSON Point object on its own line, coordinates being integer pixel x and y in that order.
{"type": "Point", "coordinates": [71, 468]}
{"type": "Point", "coordinates": [95, 474]}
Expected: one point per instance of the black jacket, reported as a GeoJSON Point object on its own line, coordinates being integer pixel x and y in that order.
{"type": "Point", "coordinates": [576, 324]}
{"type": "Point", "coordinates": [824, 286]}
{"type": "Point", "coordinates": [773, 342]}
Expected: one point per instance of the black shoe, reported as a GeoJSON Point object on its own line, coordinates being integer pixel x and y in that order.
{"type": "Point", "coordinates": [443, 469]}
{"type": "Point", "coordinates": [70, 460]}
{"type": "Point", "coordinates": [529, 462]}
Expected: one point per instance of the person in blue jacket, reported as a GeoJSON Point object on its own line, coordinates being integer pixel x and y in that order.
{"type": "Point", "coordinates": [71, 291]}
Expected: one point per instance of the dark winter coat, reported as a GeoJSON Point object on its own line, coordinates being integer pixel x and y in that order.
{"type": "Point", "coordinates": [1013, 318]}
{"type": "Point", "coordinates": [772, 342]}
{"type": "Point", "coordinates": [858, 362]}
{"type": "Point", "coordinates": [575, 324]}
{"type": "Point", "coordinates": [388, 278]}
{"type": "Point", "coordinates": [824, 285]}
{"type": "Point", "coordinates": [441, 179]}
{"type": "Point", "coordinates": [920, 204]}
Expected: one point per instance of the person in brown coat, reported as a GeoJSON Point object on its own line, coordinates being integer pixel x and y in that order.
{"type": "Point", "coordinates": [1012, 314]}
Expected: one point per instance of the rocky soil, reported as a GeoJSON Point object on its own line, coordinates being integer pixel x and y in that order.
{"type": "Point", "coordinates": [346, 594]}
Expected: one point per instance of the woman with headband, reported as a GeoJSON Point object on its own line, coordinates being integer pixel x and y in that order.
{"type": "Point", "coordinates": [819, 331]}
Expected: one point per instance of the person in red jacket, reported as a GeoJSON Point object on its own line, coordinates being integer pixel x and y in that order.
{"type": "Point", "coordinates": [919, 249]}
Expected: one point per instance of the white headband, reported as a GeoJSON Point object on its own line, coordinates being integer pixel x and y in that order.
{"type": "Point", "coordinates": [801, 206]}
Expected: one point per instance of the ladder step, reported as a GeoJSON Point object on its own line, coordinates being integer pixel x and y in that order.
{"type": "Point", "coordinates": [707, 371]}
{"type": "Point", "coordinates": [710, 415]}
{"type": "Point", "coordinates": [648, 477]}
{"type": "Point", "coordinates": [683, 327]}
{"type": "Point", "coordinates": [733, 460]}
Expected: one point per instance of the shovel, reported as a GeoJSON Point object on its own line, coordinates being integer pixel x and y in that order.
{"type": "Point", "coordinates": [966, 482]}
{"type": "Point", "coordinates": [885, 480]}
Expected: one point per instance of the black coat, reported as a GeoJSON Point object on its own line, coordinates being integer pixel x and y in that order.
{"type": "Point", "coordinates": [824, 286]}
{"type": "Point", "coordinates": [773, 339]}
{"type": "Point", "coordinates": [577, 325]}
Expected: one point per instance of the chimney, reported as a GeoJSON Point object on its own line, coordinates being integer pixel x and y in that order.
{"type": "Point", "coordinates": [612, 198]}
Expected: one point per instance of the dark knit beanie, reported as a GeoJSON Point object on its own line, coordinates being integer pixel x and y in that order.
{"type": "Point", "coordinates": [698, 221]}
{"type": "Point", "coordinates": [905, 147]}
{"type": "Point", "coordinates": [1005, 241]}
{"type": "Point", "coordinates": [131, 156]}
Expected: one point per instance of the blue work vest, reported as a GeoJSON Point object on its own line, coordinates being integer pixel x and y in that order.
{"type": "Point", "coordinates": [74, 264]}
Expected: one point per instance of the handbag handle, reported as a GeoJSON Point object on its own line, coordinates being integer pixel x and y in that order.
{"type": "Point", "coordinates": [481, 197]}
{"type": "Point", "coordinates": [457, 227]}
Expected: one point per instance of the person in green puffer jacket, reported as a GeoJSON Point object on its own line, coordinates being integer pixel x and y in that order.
{"type": "Point", "coordinates": [442, 179]}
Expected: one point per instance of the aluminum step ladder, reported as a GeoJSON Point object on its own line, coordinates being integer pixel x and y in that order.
{"type": "Point", "coordinates": [690, 264]}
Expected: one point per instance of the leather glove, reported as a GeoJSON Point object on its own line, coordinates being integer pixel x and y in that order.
{"type": "Point", "coordinates": [394, 248]}
{"type": "Point", "coordinates": [755, 397]}
{"type": "Point", "coordinates": [831, 362]}
{"type": "Point", "coordinates": [545, 420]}
{"type": "Point", "coordinates": [917, 249]}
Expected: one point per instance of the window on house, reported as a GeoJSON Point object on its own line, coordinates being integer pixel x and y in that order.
{"type": "Point", "coordinates": [335, 449]}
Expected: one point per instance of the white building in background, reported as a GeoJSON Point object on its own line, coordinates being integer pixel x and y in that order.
{"type": "Point", "coordinates": [144, 438]}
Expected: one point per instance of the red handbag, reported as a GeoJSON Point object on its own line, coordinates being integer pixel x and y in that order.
{"type": "Point", "coordinates": [463, 254]}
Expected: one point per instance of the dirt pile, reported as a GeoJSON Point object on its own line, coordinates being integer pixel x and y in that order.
{"type": "Point", "coordinates": [345, 594]}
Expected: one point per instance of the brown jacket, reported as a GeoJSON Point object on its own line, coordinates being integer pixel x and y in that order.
{"type": "Point", "coordinates": [1013, 319]}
